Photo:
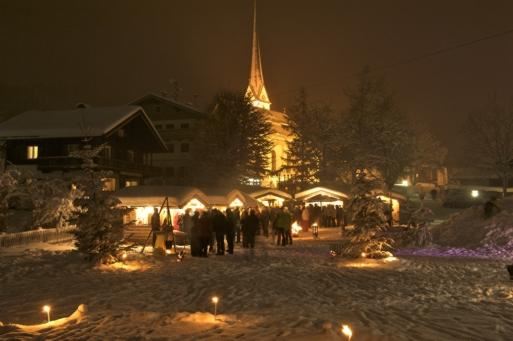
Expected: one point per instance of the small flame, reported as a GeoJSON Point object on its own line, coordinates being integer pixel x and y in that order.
{"type": "Point", "coordinates": [347, 331]}
{"type": "Point", "coordinates": [46, 309]}
{"type": "Point", "coordinates": [296, 228]}
{"type": "Point", "coordinates": [215, 299]}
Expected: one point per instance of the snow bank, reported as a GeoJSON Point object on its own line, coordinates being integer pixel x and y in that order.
{"type": "Point", "coordinates": [469, 229]}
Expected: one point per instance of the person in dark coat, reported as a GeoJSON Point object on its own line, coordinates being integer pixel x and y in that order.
{"type": "Point", "coordinates": [155, 225]}
{"type": "Point", "coordinates": [264, 221]}
{"type": "Point", "coordinates": [282, 224]}
{"type": "Point", "coordinates": [491, 208]}
{"type": "Point", "coordinates": [237, 214]}
{"type": "Point", "coordinates": [250, 225]}
{"type": "Point", "coordinates": [205, 233]}
{"type": "Point", "coordinates": [219, 224]}
{"type": "Point", "coordinates": [195, 235]}
{"type": "Point", "coordinates": [230, 230]}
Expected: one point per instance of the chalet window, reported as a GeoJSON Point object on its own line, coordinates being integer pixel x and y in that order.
{"type": "Point", "coordinates": [171, 171]}
{"type": "Point", "coordinates": [157, 108]}
{"type": "Point", "coordinates": [121, 133]}
{"type": "Point", "coordinates": [170, 126]}
{"type": "Point", "coordinates": [109, 184]}
{"type": "Point", "coordinates": [184, 148]}
{"type": "Point", "coordinates": [130, 155]}
{"type": "Point", "coordinates": [131, 183]}
{"type": "Point", "coordinates": [158, 126]}
{"type": "Point", "coordinates": [107, 152]}
{"type": "Point", "coordinates": [32, 152]}
{"type": "Point", "coordinates": [184, 125]}
{"type": "Point", "coordinates": [171, 147]}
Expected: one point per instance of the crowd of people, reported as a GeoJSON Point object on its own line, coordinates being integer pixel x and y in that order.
{"type": "Point", "coordinates": [216, 231]}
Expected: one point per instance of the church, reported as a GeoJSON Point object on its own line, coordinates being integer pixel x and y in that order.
{"type": "Point", "coordinates": [259, 98]}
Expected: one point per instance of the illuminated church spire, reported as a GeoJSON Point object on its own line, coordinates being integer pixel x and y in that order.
{"type": "Point", "coordinates": [256, 89]}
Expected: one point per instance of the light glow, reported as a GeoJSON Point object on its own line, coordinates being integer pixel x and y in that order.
{"type": "Point", "coordinates": [296, 228]}
{"type": "Point", "coordinates": [143, 214]}
{"type": "Point", "coordinates": [236, 203]}
{"type": "Point", "coordinates": [194, 204]}
{"type": "Point", "coordinates": [474, 193]}
{"type": "Point", "coordinates": [346, 330]}
{"type": "Point", "coordinates": [46, 309]}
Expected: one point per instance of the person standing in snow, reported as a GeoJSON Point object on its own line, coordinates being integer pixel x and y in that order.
{"type": "Point", "coordinates": [250, 224]}
{"type": "Point", "coordinates": [230, 230]}
{"type": "Point", "coordinates": [205, 233]}
{"type": "Point", "coordinates": [187, 224]}
{"type": "Point", "coordinates": [491, 208]}
{"type": "Point", "coordinates": [195, 235]}
{"type": "Point", "coordinates": [264, 221]}
{"type": "Point", "coordinates": [282, 224]}
{"type": "Point", "coordinates": [219, 224]}
{"type": "Point", "coordinates": [155, 225]}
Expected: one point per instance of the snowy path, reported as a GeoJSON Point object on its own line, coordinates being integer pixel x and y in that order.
{"type": "Point", "coordinates": [295, 293]}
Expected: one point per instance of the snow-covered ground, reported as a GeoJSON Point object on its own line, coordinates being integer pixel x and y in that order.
{"type": "Point", "coordinates": [296, 292]}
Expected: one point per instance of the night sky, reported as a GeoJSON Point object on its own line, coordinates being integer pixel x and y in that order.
{"type": "Point", "coordinates": [57, 53]}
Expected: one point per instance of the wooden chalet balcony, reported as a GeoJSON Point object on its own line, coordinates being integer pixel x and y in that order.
{"type": "Point", "coordinates": [54, 163]}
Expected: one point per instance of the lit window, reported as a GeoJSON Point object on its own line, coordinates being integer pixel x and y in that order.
{"type": "Point", "coordinates": [32, 152]}
{"type": "Point", "coordinates": [131, 183]}
{"type": "Point", "coordinates": [109, 184]}
{"type": "Point", "coordinates": [184, 148]}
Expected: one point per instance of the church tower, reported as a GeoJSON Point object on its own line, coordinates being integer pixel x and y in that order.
{"type": "Point", "coordinates": [280, 136]}
{"type": "Point", "coordinates": [256, 91]}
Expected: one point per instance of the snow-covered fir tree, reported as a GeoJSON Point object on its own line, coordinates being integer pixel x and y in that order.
{"type": "Point", "coordinates": [99, 232]}
{"type": "Point", "coordinates": [369, 217]}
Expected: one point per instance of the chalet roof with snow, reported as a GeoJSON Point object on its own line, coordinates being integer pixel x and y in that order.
{"type": "Point", "coordinates": [164, 108]}
{"type": "Point", "coordinates": [79, 122]}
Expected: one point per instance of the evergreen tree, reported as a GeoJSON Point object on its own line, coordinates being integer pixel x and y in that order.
{"type": "Point", "coordinates": [99, 232]}
{"type": "Point", "coordinates": [234, 143]}
{"type": "Point", "coordinates": [310, 155]}
{"type": "Point", "coordinates": [376, 135]}
{"type": "Point", "coordinates": [369, 217]}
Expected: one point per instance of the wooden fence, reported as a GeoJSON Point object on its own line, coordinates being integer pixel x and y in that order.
{"type": "Point", "coordinates": [37, 236]}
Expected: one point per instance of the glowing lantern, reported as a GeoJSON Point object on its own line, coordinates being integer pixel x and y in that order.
{"type": "Point", "coordinates": [215, 300]}
{"type": "Point", "coordinates": [474, 193]}
{"type": "Point", "coordinates": [46, 309]}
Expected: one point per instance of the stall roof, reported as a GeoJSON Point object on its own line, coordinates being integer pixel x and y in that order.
{"type": "Point", "coordinates": [179, 196]}
{"type": "Point", "coordinates": [271, 191]}
{"type": "Point", "coordinates": [308, 194]}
